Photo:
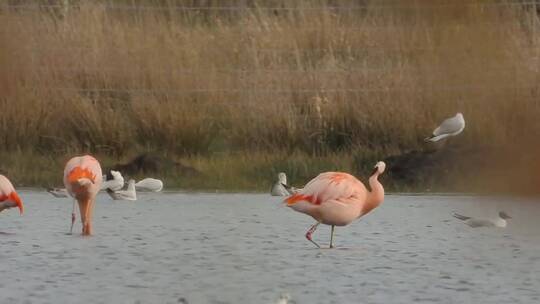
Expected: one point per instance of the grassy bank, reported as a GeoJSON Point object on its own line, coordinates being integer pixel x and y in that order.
{"type": "Point", "coordinates": [239, 172]}
{"type": "Point", "coordinates": [226, 89]}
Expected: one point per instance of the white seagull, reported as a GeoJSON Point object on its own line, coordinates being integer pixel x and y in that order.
{"type": "Point", "coordinates": [284, 298]}
{"type": "Point", "coordinates": [115, 184]}
{"type": "Point", "coordinates": [449, 127]}
{"type": "Point", "coordinates": [281, 188]}
{"type": "Point", "coordinates": [149, 184]}
{"type": "Point", "coordinates": [479, 222]}
{"type": "Point", "coordinates": [124, 195]}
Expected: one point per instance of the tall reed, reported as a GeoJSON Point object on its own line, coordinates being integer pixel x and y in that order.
{"type": "Point", "coordinates": [312, 76]}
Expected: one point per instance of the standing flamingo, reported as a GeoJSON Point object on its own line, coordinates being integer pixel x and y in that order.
{"type": "Point", "coordinates": [337, 199]}
{"type": "Point", "coordinates": [82, 179]}
{"type": "Point", "coordinates": [8, 196]}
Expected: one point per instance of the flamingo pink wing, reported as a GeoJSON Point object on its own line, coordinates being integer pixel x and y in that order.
{"type": "Point", "coordinates": [5, 186]}
{"type": "Point", "coordinates": [7, 192]}
{"type": "Point", "coordinates": [328, 186]}
{"type": "Point", "coordinates": [86, 166]}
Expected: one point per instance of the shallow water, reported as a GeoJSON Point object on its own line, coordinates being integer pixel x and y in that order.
{"type": "Point", "coordinates": [247, 248]}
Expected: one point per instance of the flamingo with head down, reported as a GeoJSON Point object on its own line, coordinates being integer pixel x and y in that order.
{"type": "Point", "coordinates": [8, 196]}
{"type": "Point", "coordinates": [337, 199]}
{"type": "Point", "coordinates": [82, 179]}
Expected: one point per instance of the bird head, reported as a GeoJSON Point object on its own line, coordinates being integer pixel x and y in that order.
{"type": "Point", "coordinates": [282, 178]}
{"type": "Point", "coordinates": [117, 175]}
{"type": "Point", "coordinates": [17, 200]}
{"type": "Point", "coordinates": [379, 168]}
{"type": "Point", "coordinates": [504, 216]}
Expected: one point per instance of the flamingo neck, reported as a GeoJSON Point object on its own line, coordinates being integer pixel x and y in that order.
{"type": "Point", "coordinates": [376, 196]}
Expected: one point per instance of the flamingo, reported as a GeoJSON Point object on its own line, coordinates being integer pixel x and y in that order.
{"type": "Point", "coordinates": [149, 184]}
{"type": "Point", "coordinates": [8, 196]}
{"type": "Point", "coordinates": [82, 179]}
{"type": "Point", "coordinates": [337, 199]}
{"type": "Point", "coordinates": [449, 127]}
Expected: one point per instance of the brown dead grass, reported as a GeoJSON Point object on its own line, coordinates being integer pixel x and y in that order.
{"type": "Point", "coordinates": [199, 82]}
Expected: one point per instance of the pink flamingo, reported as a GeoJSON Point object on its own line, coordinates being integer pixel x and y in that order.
{"type": "Point", "coordinates": [337, 199]}
{"type": "Point", "coordinates": [82, 179]}
{"type": "Point", "coordinates": [8, 196]}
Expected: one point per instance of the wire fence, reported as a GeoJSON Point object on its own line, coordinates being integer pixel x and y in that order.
{"type": "Point", "coordinates": [279, 91]}
{"type": "Point", "coordinates": [111, 6]}
{"type": "Point", "coordinates": [359, 50]}
{"type": "Point", "coordinates": [251, 71]}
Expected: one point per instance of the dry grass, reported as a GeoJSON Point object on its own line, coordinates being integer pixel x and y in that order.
{"type": "Point", "coordinates": [193, 83]}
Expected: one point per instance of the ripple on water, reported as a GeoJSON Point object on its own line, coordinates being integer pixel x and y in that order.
{"type": "Point", "coordinates": [245, 251]}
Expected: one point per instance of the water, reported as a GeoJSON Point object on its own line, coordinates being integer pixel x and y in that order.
{"type": "Point", "coordinates": [247, 248]}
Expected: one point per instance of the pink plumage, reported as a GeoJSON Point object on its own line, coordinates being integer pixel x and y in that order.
{"type": "Point", "coordinates": [9, 195]}
{"type": "Point", "coordinates": [337, 198]}
{"type": "Point", "coordinates": [82, 179]}
{"type": "Point", "coordinates": [329, 186]}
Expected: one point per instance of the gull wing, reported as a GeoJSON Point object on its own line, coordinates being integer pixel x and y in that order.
{"type": "Point", "coordinates": [461, 217]}
{"type": "Point", "coordinates": [449, 126]}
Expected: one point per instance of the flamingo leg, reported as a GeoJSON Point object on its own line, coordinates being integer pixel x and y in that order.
{"type": "Point", "coordinates": [86, 214]}
{"type": "Point", "coordinates": [310, 232]}
{"type": "Point", "coordinates": [332, 237]}
{"type": "Point", "coordinates": [73, 218]}
{"type": "Point", "coordinates": [89, 215]}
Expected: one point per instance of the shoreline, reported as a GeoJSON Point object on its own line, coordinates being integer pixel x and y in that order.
{"type": "Point", "coordinates": [407, 173]}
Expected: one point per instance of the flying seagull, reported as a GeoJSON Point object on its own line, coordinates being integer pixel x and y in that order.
{"type": "Point", "coordinates": [149, 184]}
{"type": "Point", "coordinates": [449, 127]}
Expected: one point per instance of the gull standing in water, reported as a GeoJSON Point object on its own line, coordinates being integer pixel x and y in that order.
{"type": "Point", "coordinates": [281, 188]}
{"type": "Point", "coordinates": [149, 184]}
{"type": "Point", "coordinates": [116, 183]}
{"type": "Point", "coordinates": [449, 127]}
{"type": "Point", "coordinates": [124, 195]}
{"type": "Point", "coordinates": [479, 222]}
{"type": "Point", "coordinates": [8, 196]}
{"type": "Point", "coordinates": [337, 199]}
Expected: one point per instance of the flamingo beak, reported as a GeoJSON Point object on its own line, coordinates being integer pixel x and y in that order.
{"type": "Point", "coordinates": [15, 197]}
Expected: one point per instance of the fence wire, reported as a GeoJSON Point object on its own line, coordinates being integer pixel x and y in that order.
{"type": "Point", "coordinates": [278, 91]}
{"type": "Point", "coordinates": [110, 6]}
